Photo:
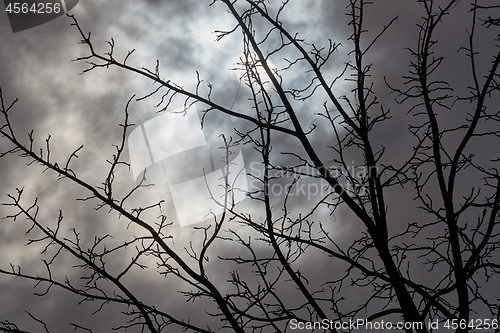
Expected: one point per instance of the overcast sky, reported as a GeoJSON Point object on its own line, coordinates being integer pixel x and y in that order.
{"type": "Point", "coordinates": [36, 66]}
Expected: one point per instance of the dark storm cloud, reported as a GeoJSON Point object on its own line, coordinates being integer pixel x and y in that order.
{"type": "Point", "coordinates": [391, 60]}
{"type": "Point", "coordinates": [75, 110]}
{"type": "Point", "coordinates": [55, 99]}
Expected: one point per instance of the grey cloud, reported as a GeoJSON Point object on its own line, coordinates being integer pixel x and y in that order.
{"type": "Point", "coordinates": [87, 109]}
